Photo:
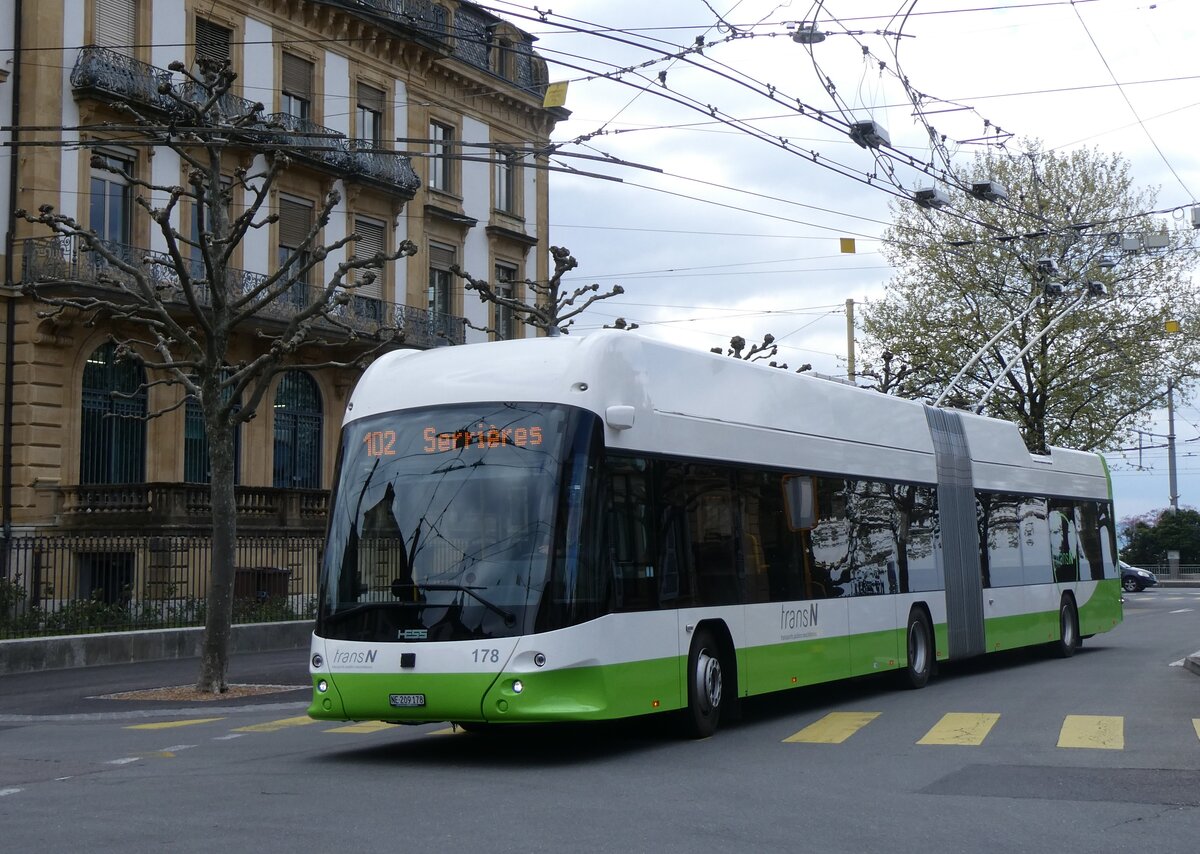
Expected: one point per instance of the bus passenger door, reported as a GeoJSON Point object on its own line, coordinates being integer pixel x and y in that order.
{"type": "Point", "coordinates": [646, 579]}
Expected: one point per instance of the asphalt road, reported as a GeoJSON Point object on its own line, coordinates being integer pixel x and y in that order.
{"type": "Point", "coordinates": [1018, 752]}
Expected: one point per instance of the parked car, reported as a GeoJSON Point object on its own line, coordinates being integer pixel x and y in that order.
{"type": "Point", "coordinates": [1134, 579]}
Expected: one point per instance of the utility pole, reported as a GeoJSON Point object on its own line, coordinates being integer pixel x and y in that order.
{"type": "Point", "coordinates": [1172, 327]}
{"type": "Point", "coordinates": [850, 340]}
{"type": "Point", "coordinates": [1172, 483]}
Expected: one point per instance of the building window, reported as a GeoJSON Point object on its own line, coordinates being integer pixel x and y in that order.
{"type": "Point", "coordinates": [296, 93]}
{"type": "Point", "coordinates": [112, 429]}
{"type": "Point", "coordinates": [114, 25]}
{"type": "Point", "coordinates": [298, 426]}
{"type": "Point", "coordinates": [441, 259]}
{"type": "Point", "coordinates": [111, 200]}
{"type": "Point", "coordinates": [506, 181]}
{"type": "Point", "coordinates": [441, 144]}
{"type": "Point", "coordinates": [372, 239]}
{"type": "Point", "coordinates": [295, 221]}
{"type": "Point", "coordinates": [506, 318]}
{"type": "Point", "coordinates": [501, 51]}
{"type": "Point", "coordinates": [196, 467]}
{"type": "Point", "coordinates": [212, 42]}
{"type": "Point", "coordinates": [368, 120]}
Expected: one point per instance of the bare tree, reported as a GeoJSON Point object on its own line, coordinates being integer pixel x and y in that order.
{"type": "Point", "coordinates": [896, 376]}
{"type": "Point", "coordinates": [757, 352]}
{"type": "Point", "coordinates": [546, 306]}
{"type": "Point", "coordinates": [181, 311]}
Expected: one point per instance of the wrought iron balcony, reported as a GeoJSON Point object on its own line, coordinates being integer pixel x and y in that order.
{"type": "Point", "coordinates": [473, 33]}
{"type": "Point", "coordinates": [116, 77]}
{"type": "Point", "coordinates": [113, 77]}
{"type": "Point", "coordinates": [229, 106]}
{"type": "Point", "coordinates": [422, 17]}
{"type": "Point", "coordinates": [308, 140]}
{"type": "Point", "coordinates": [387, 169]}
{"type": "Point", "coordinates": [66, 261]}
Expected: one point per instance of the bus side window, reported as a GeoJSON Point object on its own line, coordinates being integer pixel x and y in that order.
{"type": "Point", "coordinates": [670, 554]}
{"type": "Point", "coordinates": [630, 535]}
{"type": "Point", "coordinates": [1064, 542]}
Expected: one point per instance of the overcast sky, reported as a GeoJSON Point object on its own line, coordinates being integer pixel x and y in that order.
{"type": "Point", "coordinates": [740, 235]}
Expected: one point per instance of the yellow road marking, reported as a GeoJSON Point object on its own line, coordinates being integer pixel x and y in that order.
{"type": "Point", "coordinates": [1097, 732]}
{"type": "Point", "coordinates": [173, 724]}
{"type": "Point", "coordinates": [834, 728]}
{"type": "Point", "coordinates": [450, 730]}
{"type": "Point", "coordinates": [363, 727]}
{"type": "Point", "coordinates": [960, 728]}
{"type": "Point", "coordinates": [274, 726]}
{"type": "Point", "coordinates": [1196, 724]}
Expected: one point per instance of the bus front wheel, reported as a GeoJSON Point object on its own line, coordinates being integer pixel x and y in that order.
{"type": "Point", "coordinates": [919, 666]}
{"type": "Point", "coordinates": [705, 685]}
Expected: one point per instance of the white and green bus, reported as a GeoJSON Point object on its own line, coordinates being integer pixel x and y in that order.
{"type": "Point", "coordinates": [568, 529]}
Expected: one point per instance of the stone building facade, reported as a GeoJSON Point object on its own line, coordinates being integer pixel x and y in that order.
{"type": "Point", "coordinates": [429, 114]}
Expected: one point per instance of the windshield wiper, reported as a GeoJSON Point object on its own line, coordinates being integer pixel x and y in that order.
{"type": "Point", "coordinates": [509, 618]}
{"type": "Point", "coordinates": [344, 613]}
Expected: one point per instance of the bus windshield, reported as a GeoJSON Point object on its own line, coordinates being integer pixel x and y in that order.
{"type": "Point", "coordinates": [445, 522]}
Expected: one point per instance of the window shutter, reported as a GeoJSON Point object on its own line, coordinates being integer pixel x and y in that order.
{"type": "Point", "coordinates": [295, 220]}
{"type": "Point", "coordinates": [372, 238]}
{"type": "Point", "coordinates": [116, 25]}
{"type": "Point", "coordinates": [370, 97]}
{"type": "Point", "coordinates": [440, 257]}
{"type": "Point", "coordinates": [297, 76]}
{"type": "Point", "coordinates": [212, 41]}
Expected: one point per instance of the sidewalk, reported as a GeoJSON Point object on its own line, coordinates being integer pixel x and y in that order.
{"type": "Point", "coordinates": [79, 690]}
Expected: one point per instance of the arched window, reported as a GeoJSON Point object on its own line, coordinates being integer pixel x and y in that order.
{"type": "Point", "coordinates": [196, 468]}
{"type": "Point", "coordinates": [298, 425]}
{"type": "Point", "coordinates": [112, 431]}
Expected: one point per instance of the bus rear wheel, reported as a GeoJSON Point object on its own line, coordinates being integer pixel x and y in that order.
{"type": "Point", "coordinates": [1068, 624]}
{"type": "Point", "coordinates": [706, 685]}
{"type": "Point", "coordinates": [919, 666]}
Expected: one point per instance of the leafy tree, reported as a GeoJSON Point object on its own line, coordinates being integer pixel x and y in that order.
{"type": "Point", "coordinates": [967, 273]}
{"type": "Point", "coordinates": [182, 311]}
{"type": "Point", "coordinates": [546, 306]}
{"type": "Point", "coordinates": [1149, 537]}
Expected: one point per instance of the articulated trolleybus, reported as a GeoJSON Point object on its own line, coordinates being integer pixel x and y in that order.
{"type": "Point", "coordinates": [591, 528]}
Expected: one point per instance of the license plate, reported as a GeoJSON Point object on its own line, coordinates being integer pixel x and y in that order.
{"type": "Point", "coordinates": [405, 701]}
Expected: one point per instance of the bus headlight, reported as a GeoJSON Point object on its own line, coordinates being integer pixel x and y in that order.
{"type": "Point", "coordinates": [322, 687]}
{"type": "Point", "coordinates": [518, 686]}
{"type": "Point", "coordinates": [317, 661]}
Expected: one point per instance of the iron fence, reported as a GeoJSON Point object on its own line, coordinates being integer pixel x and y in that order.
{"type": "Point", "coordinates": [84, 583]}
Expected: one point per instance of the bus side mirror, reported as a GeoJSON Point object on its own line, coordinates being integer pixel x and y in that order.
{"type": "Point", "coordinates": [799, 497]}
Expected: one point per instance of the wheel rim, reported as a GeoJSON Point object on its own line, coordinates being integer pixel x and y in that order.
{"type": "Point", "coordinates": [1068, 627]}
{"type": "Point", "coordinates": [918, 651]}
{"type": "Point", "coordinates": [1130, 585]}
{"type": "Point", "coordinates": [708, 681]}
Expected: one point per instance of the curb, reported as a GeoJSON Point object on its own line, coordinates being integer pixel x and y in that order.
{"type": "Point", "coordinates": [27, 655]}
{"type": "Point", "coordinates": [1192, 663]}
